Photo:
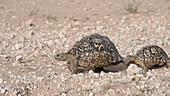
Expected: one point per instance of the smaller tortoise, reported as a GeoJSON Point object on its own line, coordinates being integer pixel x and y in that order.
{"type": "Point", "coordinates": [150, 56]}
{"type": "Point", "coordinates": [94, 51]}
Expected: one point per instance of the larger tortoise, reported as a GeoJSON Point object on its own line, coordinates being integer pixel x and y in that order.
{"type": "Point", "coordinates": [94, 51]}
{"type": "Point", "coordinates": [149, 57]}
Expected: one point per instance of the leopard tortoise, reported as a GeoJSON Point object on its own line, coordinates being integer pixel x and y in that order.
{"type": "Point", "coordinates": [93, 51]}
{"type": "Point", "coordinates": [150, 56]}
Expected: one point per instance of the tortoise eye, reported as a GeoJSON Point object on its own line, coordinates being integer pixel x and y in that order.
{"type": "Point", "coordinates": [57, 55]}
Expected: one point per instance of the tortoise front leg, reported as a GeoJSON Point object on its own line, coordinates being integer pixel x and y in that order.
{"type": "Point", "coordinates": [167, 63]}
{"type": "Point", "coordinates": [167, 66]}
{"type": "Point", "coordinates": [73, 66]}
{"type": "Point", "coordinates": [145, 69]}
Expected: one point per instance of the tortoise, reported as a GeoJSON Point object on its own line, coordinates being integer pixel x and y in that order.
{"type": "Point", "coordinates": [93, 51]}
{"type": "Point", "coordinates": [149, 57]}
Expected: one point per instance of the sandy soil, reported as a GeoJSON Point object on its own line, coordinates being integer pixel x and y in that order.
{"type": "Point", "coordinates": [32, 31]}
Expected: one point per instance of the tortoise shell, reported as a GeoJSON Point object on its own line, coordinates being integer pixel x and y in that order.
{"type": "Point", "coordinates": [96, 49]}
{"type": "Point", "coordinates": [150, 56]}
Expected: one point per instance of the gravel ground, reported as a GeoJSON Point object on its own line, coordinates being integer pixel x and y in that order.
{"type": "Point", "coordinates": [31, 32]}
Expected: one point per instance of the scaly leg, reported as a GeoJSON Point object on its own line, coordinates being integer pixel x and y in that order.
{"type": "Point", "coordinates": [168, 63]}
{"type": "Point", "coordinates": [145, 69]}
{"type": "Point", "coordinates": [73, 66]}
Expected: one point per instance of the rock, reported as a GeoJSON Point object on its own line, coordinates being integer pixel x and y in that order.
{"type": "Point", "coordinates": [50, 43]}
{"type": "Point", "coordinates": [168, 93]}
{"type": "Point", "coordinates": [2, 90]}
{"type": "Point", "coordinates": [150, 73]}
{"type": "Point", "coordinates": [167, 74]}
{"type": "Point", "coordinates": [102, 73]}
{"type": "Point", "coordinates": [132, 78]}
{"type": "Point", "coordinates": [40, 78]}
{"type": "Point", "coordinates": [91, 94]}
{"type": "Point", "coordinates": [63, 94]}
{"type": "Point", "coordinates": [80, 74]}
{"type": "Point", "coordinates": [110, 92]}
{"type": "Point", "coordinates": [90, 72]}
{"type": "Point", "coordinates": [3, 56]}
{"type": "Point", "coordinates": [1, 80]}
{"type": "Point", "coordinates": [19, 46]}
{"type": "Point", "coordinates": [5, 44]}
{"type": "Point", "coordinates": [19, 59]}
{"type": "Point", "coordinates": [134, 69]}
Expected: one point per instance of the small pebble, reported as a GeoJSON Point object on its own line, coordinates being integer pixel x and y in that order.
{"type": "Point", "coordinates": [19, 58]}
{"type": "Point", "coordinates": [19, 46]}
{"type": "Point", "coordinates": [1, 80]}
{"type": "Point", "coordinates": [2, 90]}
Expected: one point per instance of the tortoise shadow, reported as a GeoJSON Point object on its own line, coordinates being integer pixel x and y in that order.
{"type": "Point", "coordinates": [157, 66]}
{"type": "Point", "coordinates": [111, 68]}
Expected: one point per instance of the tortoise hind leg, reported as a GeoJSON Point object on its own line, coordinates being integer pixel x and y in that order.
{"type": "Point", "coordinates": [73, 66]}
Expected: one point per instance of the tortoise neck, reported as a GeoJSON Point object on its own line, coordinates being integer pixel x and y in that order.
{"type": "Point", "coordinates": [69, 56]}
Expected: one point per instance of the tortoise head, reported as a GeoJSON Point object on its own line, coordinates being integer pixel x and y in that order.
{"type": "Point", "coordinates": [132, 59]}
{"type": "Point", "coordinates": [63, 56]}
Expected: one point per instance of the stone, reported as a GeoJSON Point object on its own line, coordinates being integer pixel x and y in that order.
{"type": "Point", "coordinates": [134, 69]}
